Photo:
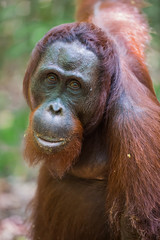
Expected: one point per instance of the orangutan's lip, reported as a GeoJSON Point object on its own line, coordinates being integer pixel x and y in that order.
{"type": "Point", "coordinates": [49, 142]}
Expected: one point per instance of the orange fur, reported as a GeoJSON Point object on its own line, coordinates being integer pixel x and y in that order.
{"type": "Point", "coordinates": [134, 130]}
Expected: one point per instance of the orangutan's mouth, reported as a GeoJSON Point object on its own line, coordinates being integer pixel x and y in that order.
{"type": "Point", "coordinates": [48, 142]}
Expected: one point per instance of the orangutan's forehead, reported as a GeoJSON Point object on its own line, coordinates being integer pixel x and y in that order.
{"type": "Point", "coordinates": [69, 56]}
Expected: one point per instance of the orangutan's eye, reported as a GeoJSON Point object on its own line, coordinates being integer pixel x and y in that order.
{"type": "Point", "coordinates": [52, 79]}
{"type": "Point", "coordinates": [74, 85]}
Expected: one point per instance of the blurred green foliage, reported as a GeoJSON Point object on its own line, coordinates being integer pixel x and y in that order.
{"type": "Point", "coordinates": [157, 90]}
{"type": "Point", "coordinates": [12, 126]}
{"type": "Point", "coordinates": [22, 24]}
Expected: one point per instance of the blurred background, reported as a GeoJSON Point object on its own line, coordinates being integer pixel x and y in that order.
{"type": "Point", "coordinates": [22, 24]}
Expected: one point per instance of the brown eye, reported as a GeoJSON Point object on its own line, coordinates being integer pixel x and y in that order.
{"type": "Point", "coordinates": [74, 85]}
{"type": "Point", "coordinates": [52, 79]}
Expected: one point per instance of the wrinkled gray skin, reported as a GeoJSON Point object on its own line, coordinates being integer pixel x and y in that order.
{"type": "Point", "coordinates": [71, 91]}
